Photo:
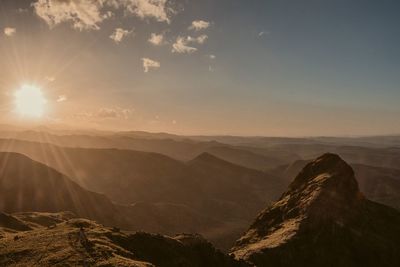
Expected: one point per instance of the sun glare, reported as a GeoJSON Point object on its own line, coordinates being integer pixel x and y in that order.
{"type": "Point", "coordinates": [29, 101]}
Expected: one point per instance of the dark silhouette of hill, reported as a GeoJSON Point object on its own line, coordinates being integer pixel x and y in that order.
{"type": "Point", "coordinates": [26, 185]}
{"type": "Point", "coordinates": [60, 244]}
{"type": "Point", "coordinates": [323, 220]}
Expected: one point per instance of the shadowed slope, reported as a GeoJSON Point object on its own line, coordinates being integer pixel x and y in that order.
{"type": "Point", "coordinates": [323, 220]}
{"type": "Point", "coordinates": [26, 185]}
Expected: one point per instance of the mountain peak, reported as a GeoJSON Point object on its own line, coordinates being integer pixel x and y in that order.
{"type": "Point", "coordinates": [325, 184]}
{"type": "Point", "coordinates": [318, 219]}
{"type": "Point", "coordinates": [207, 157]}
{"type": "Point", "coordinates": [328, 182]}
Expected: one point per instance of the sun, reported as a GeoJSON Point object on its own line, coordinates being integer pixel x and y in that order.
{"type": "Point", "coordinates": [30, 101]}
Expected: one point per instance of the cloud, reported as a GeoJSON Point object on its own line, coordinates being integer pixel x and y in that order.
{"type": "Point", "coordinates": [212, 56]}
{"type": "Point", "coordinates": [119, 34]}
{"type": "Point", "coordinates": [149, 64]}
{"type": "Point", "coordinates": [200, 40]}
{"type": "Point", "coordinates": [181, 46]}
{"type": "Point", "coordinates": [114, 113]}
{"type": "Point", "coordinates": [62, 98]}
{"type": "Point", "coordinates": [88, 14]}
{"type": "Point", "coordinates": [84, 14]}
{"type": "Point", "coordinates": [261, 34]}
{"type": "Point", "coordinates": [156, 39]}
{"type": "Point", "coordinates": [198, 25]}
{"type": "Point", "coordinates": [105, 113]}
{"type": "Point", "coordinates": [148, 8]}
{"type": "Point", "coordinates": [10, 31]}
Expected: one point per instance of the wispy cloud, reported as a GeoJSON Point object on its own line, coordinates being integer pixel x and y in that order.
{"type": "Point", "coordinates": [198, 25]}
{"type": "Point", "coordinates": [84, 15]}
{"type": "Point", "coordinates": [62, 98]}
{"type": "Point", "coordinates": [262, 33]}
{"type": "Point", "coordinates": [8, 31]}
{"type": "Point", "coordinates": [200, 39]}
{"type": "Point", "coordinates": [114, 113]}
{"type": "Point", "coordinates": [88, 14]}
{"type": "Point", "coordinates": [149, 64]}
{"type": "Point", "coordinates": [156, 9]}
{"type": "Point", "coordinates": [181, 46]}
{"type": "Point", "coordinates": [119, 34]}
{"type": "Point", "coordinates": [156, 39]}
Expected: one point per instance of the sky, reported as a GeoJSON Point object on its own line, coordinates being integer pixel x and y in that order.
{"type": "Point", "coordinates": [235, 67]}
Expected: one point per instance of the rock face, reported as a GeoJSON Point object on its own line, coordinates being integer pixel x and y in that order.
{"type": "Point", "coordinates": [323, 220]}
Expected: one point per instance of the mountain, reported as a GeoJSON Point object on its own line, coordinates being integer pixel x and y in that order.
{"type": "Point", "coordinates": [379, 184]}
{"type": "Point", "coordinates": [385, 157]}
{"type": "Point", "coordinates": [180, 148]}
{"type": "Point", "coordinates": [150, 191]}
{"type": "Point", "coordinates": [53, 240]}
{"type": "Point", "coordinates": [244, 157]}
{"type": "Point", "coordinates": [26, 185]}
{"type": "Point", "coordinates": [323, 220]}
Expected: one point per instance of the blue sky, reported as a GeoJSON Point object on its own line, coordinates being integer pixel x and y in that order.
{"type": "Point", "coordinates": [271, 67]}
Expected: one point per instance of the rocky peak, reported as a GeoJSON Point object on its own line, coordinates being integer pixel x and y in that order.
{"type": "Point", "coordinates": [324, 190]}
{"type": "Point", "coordinates": [321, 217]}
{"type": "Point", "coordinates": [325, 184]}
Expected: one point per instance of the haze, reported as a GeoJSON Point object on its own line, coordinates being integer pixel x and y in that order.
{"type": "Point", "coordinates": [274, 68]}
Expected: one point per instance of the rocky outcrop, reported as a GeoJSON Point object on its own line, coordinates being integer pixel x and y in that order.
{"type": "Point", "coordinates": [323, 220]}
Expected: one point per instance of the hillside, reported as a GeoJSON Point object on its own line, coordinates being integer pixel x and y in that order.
{"type": "Point", "coordinates": [59, 244]}
{"type": "Point", "coordinates": [157, 194]}
{"type": "Point", "coordinates": [26, 185]}
{"type": "Point", "coordinates": [323, 220]}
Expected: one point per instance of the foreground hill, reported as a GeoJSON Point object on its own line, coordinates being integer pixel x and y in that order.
{"type": "Point", "coordinates": [54, 240]}
{"type": "Point", "coordinates": [323, 220]}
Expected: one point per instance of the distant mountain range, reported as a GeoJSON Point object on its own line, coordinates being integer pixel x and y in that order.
{"type": "Point", "coordinates": [195, 185]}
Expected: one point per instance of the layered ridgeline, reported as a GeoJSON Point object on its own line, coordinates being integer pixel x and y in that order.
{"type": "Point", "coordinates": [156, 193]}
{"type": "Point", "coordinates": [27, 185]}
{"type": "Point", "coordinates": [323, 220]}
{"type": "Point", "coordinates": [207, 195]}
